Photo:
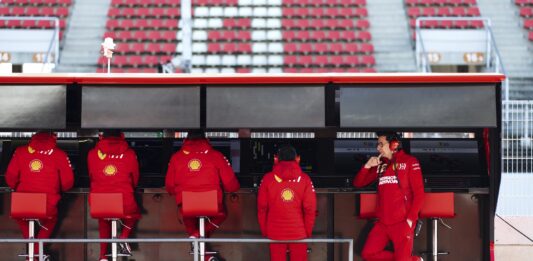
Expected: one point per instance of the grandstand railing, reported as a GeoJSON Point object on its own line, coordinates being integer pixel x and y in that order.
{"type": "Point", "coordinates": [493, 60]}
{"type": "Point", "coordinates": [54, 42]}
{"type": "Point", "coordinates": [517, 159]}
{"type": "Point", "coordinates": [195, 241]}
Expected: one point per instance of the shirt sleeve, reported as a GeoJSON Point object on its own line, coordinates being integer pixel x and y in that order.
{"type": "Point", "coordinates": [229, 180]}
{"type": "Point", "coordinates": [65, 171]}
{"type": "Point", "coordinates": [169, 178]}
{"type": "Point", "coordinates": [417, 186]}
{"type": "Point", "coordinates": [134, 169]}
{"type": "Point", "coordinates": [309, 207]}
{"type": "Point", "coordinates": [262, 206]}
{"type": "Point", "coordinates": [365, 176]}
{"type": "Point", "coordinates": [13, 171]}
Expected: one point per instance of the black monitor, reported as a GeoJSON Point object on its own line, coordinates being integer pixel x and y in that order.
{"type": "Point", "coordinates": [351, 155]}
{"type": "Point", "coordinates": [262, 151]}
{"type": "Point", "coordinates": [448, 157]}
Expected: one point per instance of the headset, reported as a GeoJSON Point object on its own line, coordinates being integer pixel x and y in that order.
{"type": "Point", "coordinates": [394, 141]}
{"type": "Point", "coordinates": [276, 159]}
{"type": "Point", "coordinates": [276, 155]}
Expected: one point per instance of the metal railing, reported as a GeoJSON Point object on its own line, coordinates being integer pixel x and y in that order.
{"type": "Point", "coordinates": [517, 159]}
{"type": "Point", "coordinates": [195, 241]}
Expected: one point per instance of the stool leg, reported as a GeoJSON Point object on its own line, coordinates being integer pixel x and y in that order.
{"type": "Point", "coordinates": [31, 235]}
{"type": "Point", "coordinates": [202, 235]}
{"type": "Point", "coordinates": [435, 250]}
{"type": "Point", "coordinates": [114, 236]}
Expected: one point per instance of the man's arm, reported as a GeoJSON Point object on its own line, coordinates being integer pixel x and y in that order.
{"type": "Point", "coordinates": [365, 176]}
{"type": "Point", "coordinates": [417, 186]}
{"type": "Point", "coordinates": [65, 171]}
{"type": "Point", "coordinates": [262, 205]}
{"type": "Point", "coordinates": [135, 169]}
{"type": "Point", "coordinates": [229, 180]}
{"type": "Point", "coordinates": [13, 171]}
{"type": "Point", "coordinates": [169, 178]}
{"type": "Point", "coordinates": [309, 207]}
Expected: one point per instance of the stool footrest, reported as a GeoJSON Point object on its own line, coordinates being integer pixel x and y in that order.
{"type": "Point", "coordinates": [206, 252]}
{"type": "Point", "coordinates": [118, 255]}
{"type": "Point", "coordinates": [429, 253]}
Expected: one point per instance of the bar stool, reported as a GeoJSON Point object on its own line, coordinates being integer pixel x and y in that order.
{"type": "Point", "coordinates": [437, 206]}
{"type": "Point", "coordinates": [200, 205]}
{"type": "Point", "coordinates": [29, 207]}
{"type": "Point", "coordinates": [109, 206]}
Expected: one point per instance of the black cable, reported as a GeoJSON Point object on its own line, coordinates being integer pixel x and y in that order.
{"type": "Point", "coordinates": [514, 228]}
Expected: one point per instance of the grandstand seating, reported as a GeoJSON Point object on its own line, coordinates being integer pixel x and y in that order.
{"type": "Point", "coordinates": [244, 36]}
{"type": "Point", "coordinates": [443, 8]}
{"type": "Point", "coordinates": [526, 12]}
{"type": "Point", "coordinates": [34, 8]}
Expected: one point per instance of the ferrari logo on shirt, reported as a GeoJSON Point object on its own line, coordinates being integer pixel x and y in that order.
{"type": "Point", "coordinates": [287, 195]}
{"type": "Point", "coordinates": [110, 170]}
{"type": "Point", "coordinates": [36, 165]}
{"type": "Point", "coordinates": [101, 155]}
{"type": "Point", "coordinates": [31, 150]}
{"type": "Point", "coordinates": [195, 165]}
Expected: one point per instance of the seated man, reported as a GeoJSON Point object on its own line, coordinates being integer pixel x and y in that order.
{"type": "Point", "coordinates": [113, 167]}
{"type": "Point", "coordinates": [286, 206]}
{"type": "Point", "coordinates": [199, 167]}
{"type": "Point", "coordinates": [40, 167]}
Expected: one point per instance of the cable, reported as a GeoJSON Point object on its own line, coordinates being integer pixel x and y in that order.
{"type": "Point", "coordinates": [515, 228]}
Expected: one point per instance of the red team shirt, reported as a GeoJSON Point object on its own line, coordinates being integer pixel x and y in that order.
{"type": "Point", "coordinates": [113, 167]}
{"type": "Point", "coordinates": [286, 203]}
{"type": "Point", "coordinates": [396, 203]}
{"type": "Point", "coordinates": [198, 167]}
{"type": "Point", "coordinates": [41, 167]}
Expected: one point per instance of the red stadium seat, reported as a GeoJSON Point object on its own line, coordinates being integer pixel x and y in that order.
{"type": "Point", "coordinates": [352, 48]}
{"type": "Point", "coordinates": [290, 48]}
{"type": "Point", "coordinates": [168, 35]}
{"type": "Point", "coordinates": [229, 48]}
{"type": "Point", "coordinates": [458, 11]}
{"type": "Point", "coordinates": [367, 48]}
{"type": "Point", "coordinates": [368, 60]}
{"type": "Point", "coordinates": [290, 60]}
{"type": "Point", "coordinates": [321, 47]}
{"type": "Point", "coordinates": [244, 47]}
{"type": "Point", "coordinates": [444, 11]}
{"type": "Point", "coordinates": [413, 12]}
{"type": "Point", "coordinates": [362, 24]}
{"type": "Point", "coordinates": [473, 11]}
{"type": "Point", "coordinates": [530, 36]}
{"type": "Point", "coordinates": [336, 48]}
{"type": "Point", "coordinates": [137, 48]}
{"type": "Point", "coordinates": [151, 60]}
{"type": "Point", "coordinates": [528, 24]}
{"type": "Point", "coordinates": [153, 48]}
{"type": "Point", "coordinates": [321, 60]}
{"type": "Point", "coordinates": [526, 12]}
{"type": "Point", "coordinates": [135, 60]}
{"type": "Point", "coordinates": [305, 60]}
{"type": "Point", "coordinates": [306, 48]}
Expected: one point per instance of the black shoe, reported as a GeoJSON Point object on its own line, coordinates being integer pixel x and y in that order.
{"type": "Point", "coordinates": [125, 248]}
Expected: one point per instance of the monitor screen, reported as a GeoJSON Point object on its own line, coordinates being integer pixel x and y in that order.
{"type": "Point", "coordinates": [351, 155]}
{"type": "Point", "coordinates": [262, 154]}
{"type": "Point", "coordinates": [447, 157]}
{"type": "Point", "coordinates": [229, 148]}
{"type": "Point", "coordinates": [150, 155]}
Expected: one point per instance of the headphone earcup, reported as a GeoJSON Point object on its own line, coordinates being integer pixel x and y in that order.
{"type": "Point", "coordinates": [393, 145]}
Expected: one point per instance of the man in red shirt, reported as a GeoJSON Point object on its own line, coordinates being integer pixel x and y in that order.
{"type": "Point", "coordinates": [40, 167]}
{"type": "Point", "coordinates": [199, 167]}
{"type": "Point", "coordinates": [113, 167]}
{"type": "Point", "coordinates": [286, 206]}
{"type": "Point", "coordinates": [400, 196]}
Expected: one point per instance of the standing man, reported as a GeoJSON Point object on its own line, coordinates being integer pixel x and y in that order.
{"type": "Point", "coordinates": [41, 167]}
{"type": "Point", "coordinates": [400, 195]}
{"type": "Point", "coordinates": [286, 206]}
{"type": "Point", "coordinates": [113, 168]}
{"type": "Point", "coordinates": [199, 167]}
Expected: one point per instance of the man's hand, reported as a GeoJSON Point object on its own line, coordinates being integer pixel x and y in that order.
{"type": "Point", "coordinates": [410, 223]}
{"type": "Point", "coordinates": [373, 161]}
